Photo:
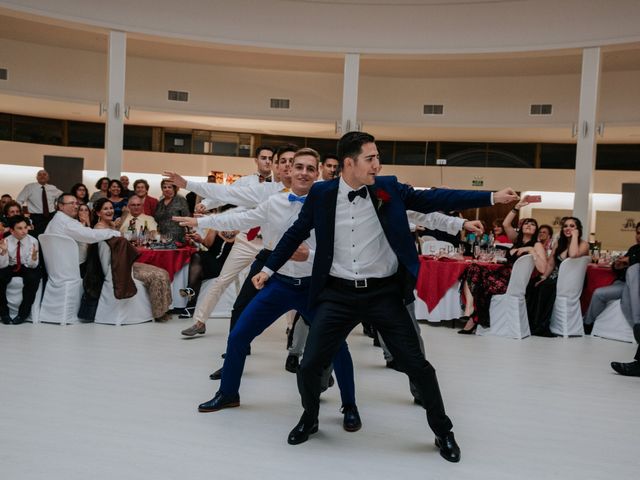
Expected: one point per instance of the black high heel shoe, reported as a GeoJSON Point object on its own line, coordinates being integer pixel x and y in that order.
{"type": "Point", "coordinates": [471, 331]}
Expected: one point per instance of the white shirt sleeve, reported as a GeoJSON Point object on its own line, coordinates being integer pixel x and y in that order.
{"type": "Point", "coordinates": [436, 221]}
{"type": "Point", "coordinates": [80, 233]}
{"type": "Point", "coordinates": [4, 259]}
{"type": "Point", "coordinates": [243, 196]}
{"type": "Point", "coordinates": [235, 220]}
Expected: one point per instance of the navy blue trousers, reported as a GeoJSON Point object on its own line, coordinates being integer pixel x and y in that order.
{"type": "Point", "coordinates": [273, 301]}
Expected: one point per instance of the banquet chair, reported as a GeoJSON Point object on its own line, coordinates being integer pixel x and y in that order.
{"type": "Point", "coordinates": [63, 290]}
{"type": "Point", "coordinates": [432, 247]}
{"type": "Point", "coordinates": [14, 298]}
{"type": "Point", "coordinates": [612, 325]}
{"type": "Point", "coordinates": [566, 319]}
{"type": "Point", "coordinates": [126, 311]}
{"type": "Point", "coordinates": [508, 312]}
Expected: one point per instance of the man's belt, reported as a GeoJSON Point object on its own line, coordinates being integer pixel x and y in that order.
{"type": "Point", "coordinates": [297, 282]}
{"type": "Point", "coordinates": [361, 283]}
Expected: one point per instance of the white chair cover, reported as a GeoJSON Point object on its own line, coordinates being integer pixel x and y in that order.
{"type": "Point", "coordinates": [432, 247]}
{"type": "Point", "coordinates": [508, 312]}
{"type": "Point", "coordinates": [612, 324]}
{"type": "Point", "coordinates": [448, 307]}
{"type": "Point", "coordinates": [62, 293]}
{"type": "Point", "coordinates": [566, 319]}
{"type": "Point", "coordinates": [14, 298]}
{"type": "Point", "coordinates": [126, 311]}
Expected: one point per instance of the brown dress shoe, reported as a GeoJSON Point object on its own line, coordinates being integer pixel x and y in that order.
{"type": "Point", "coordinates": [194, 329]}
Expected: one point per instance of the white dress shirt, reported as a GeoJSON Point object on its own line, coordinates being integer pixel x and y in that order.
{"type": "Point", "coordinates": [436, 221]}
{"type": "Point", "coordinates": [274, 216]}
{"type": "Point", "coordinates": [27, 244]}
{"type": "Point", "coordinates": [360, 247]}
{"type": "Point", "coordinates": [31, 194]}
{"type": "Point", "coordinates": [215, 194]}
{"type": "Point", "coordinates": [63, 224]}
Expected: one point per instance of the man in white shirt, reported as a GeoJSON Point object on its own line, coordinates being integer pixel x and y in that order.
{"type": "Point", "coordinates": [19, 258]}
{"type": "Point", "coordinates": [64, 223]}
{"type": "Point", "coordinates": [287, 291]}
{"type": "Point", "coordinates": [136, 220]}
{"type": "Point", "coordinates": [40, 199]}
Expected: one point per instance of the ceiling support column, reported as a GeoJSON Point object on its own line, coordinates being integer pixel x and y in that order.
{"type": "Point", "coordinates": [350, 93]}
{"type": "Point", "coordinates": [115, 109]}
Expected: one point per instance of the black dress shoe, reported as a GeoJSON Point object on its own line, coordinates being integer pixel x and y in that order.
{"type": "Point", "coordinates": [301, 431]}
{"type": "Point", "coordinates": [627, 369]}
{"type": "Point", "coordinates": [219, 402]}
{"type": "Point", "coordinates": [418, 401]}
{"type": "Point", "coordinates": [6, 319]}
{"type": "Point", "coordinates": [217, 375]}
{"type": "Point", "coordinates": [17, 320]}
{"type": "Point", "coordinates": [351, 422]}
{"type": "Point", "coordinates": [636, 332]}
{"type": "Point", "coordinates": [292, 364]}
{"type": "Point", "coordinates": [588, 328]}
{"type": "Point", "coordinates": [248, 352]}
{"type": "Point", "coordinates": [449, 449]}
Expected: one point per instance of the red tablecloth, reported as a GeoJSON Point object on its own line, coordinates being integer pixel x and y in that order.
{"type": "Point", "coordinates": [597, 276]}
{"type": "Point", "coordinates": [171, 260]}
{"type": "Point", "coordinates": [438, 276]}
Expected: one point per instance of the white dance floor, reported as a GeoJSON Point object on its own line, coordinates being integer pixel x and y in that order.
{"type": "Point", "coordinates": [102, 402]}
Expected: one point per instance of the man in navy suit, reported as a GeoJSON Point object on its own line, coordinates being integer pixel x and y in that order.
{"type": "Point", "coordinates": [365, 267]}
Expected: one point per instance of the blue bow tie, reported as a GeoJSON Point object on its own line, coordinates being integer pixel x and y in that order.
{"type": "Point", "coordinates": [296, 198]}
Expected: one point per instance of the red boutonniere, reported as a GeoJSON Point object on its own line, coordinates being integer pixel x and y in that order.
{"type": "Point", "coordinates": [382, 196]}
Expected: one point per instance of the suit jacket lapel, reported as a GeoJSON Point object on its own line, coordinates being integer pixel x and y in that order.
{"type": "Point", "coordinates": [378, 207]}
{"type": "Point", "coordinates": [329, 206]}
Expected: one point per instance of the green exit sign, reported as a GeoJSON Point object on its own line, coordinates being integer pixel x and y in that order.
{"type": "Point", "coordinates": [477, 183]}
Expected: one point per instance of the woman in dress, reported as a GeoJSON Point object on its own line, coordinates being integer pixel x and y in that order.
{"type": "Point", "coordinates": [480, 282]}
{"type": "Point", "coordinates": [118, 200]}
{"type": "Point", "coordinates": [171, 205]}
{"type": "Point", "coordinates": [156, 280]}
{"type": "Point", "coordinates": [541, 295]}
{"type": "Point", "coordinates": [102, 187]}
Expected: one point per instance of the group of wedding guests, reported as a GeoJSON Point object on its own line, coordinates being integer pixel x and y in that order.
{"type": "Point", "coordinates": [481, 282]}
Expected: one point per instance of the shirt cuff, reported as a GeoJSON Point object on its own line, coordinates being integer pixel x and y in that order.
{"type": "Point", "coordinates": [268, 271]}
{"type": "Point", "coordinates": [492, 202]}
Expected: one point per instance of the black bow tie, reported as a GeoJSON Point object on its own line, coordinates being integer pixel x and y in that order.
{"type": "Point", "coordinates": [361, 192]}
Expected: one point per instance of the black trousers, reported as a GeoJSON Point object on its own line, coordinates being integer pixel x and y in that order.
{"type": "Point", "coordinates": [30, 280]}
{"type": "Point", "coordinates": [40, 223]}
{"type": "Point", "coordinates": [337, 312]}
{"type": "Point", "coordinates": [248, 291]}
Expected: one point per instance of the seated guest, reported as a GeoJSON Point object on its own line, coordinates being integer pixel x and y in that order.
{"type": "Point", "coordinates": [79, 190]}
{"type": "Point", "coordinates": [156, 280]}
{"type": "Point", "coordinates": [204, 265]}
{"type": "Point", "coordinates": [65, 222]}
{"type": "Point", "coordinates": [499, 235]}
{"type": "Point", "coordinates": [118, 200]}
{"type": "Point", "coordinates": [84, 215]}
{"type": "Point", "coordinates": [626, 279]}
{"type": "Point", "coordinates": [102, 187]}
{"type": "Point", "coordinates": [481, 283]}
{"type": "Point", "coordinates": [19, 258]}
{"type": "Point", "coordinates": [171, 205]}
{"type": "Point", "coordinates": [4, 199]}
{"type": "Point", "coordinates": [545, 237]}
{"type": "Point", "coordinates": [39, 198]}
{"type": "Point", "coordinates": [541, 294]}
{"type": "Point", "coordinates": [135, 220]}
{"type": "Point", "coordinates": [149, 204]}
{"type": "Point", "coordinates": [124, 180]}
{"type": "Point", "coordinates": [507, 223]}
{"type": "Point", "coordinates": [11, 209]}
{"type": "Point", "coordinates": [631, 369]}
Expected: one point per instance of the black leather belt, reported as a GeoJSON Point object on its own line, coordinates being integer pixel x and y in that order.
{"type": "Point", "coordinates": [361, 283]}
{"type": "Point", "coordinates": [297, 282]}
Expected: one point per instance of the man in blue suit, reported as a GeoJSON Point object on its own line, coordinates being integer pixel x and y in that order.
{"type": "Point", "coordinates": [365, 267]}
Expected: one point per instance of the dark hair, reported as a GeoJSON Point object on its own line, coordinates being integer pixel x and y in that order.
{"type": "Point", "coordinates": [498, 223]}
{"type": "Point", "coordinates": [329, 156]}
{"type": "Point", "coordinates": [6, 195]}
{"type": "Point", "coordinates": [548, 227]}
{"type": "Point", "coordinates": [16, 219]}
{"type": "Point", "coordinates": [287, 147]}
{"type": "Point", "coordinates": [264, 147]}
{"type": "Point", "coordinates": [350, 145]}
{"type": "Point", "coordinates": [8, 205]}
{"type": "Point", "coordinates": [60, 199]}
{"type": "Point", "coordinates": [175, 189]}
{"type": "Point", "coordinates": [563, 241]}
{"type": "Point", "coordinates": [117, 182]}
{"type": "Point", "coordinates": [100, 180]}
{"type": "Point", "coordinates": [97, 206]}
{"type": "Point", "coordinates": [74, 191]}
{"type": "Point", "coordinates": [143, 181]}
{"type": "Point", "coordinates": [637, 225]}
{"type": "Point", "coordinates": [520, 238]}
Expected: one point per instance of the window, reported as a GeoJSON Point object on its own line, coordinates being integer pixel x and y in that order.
{"type": "Point", "coordinates": [137, 137]}
{"type": "Point", "coordinates": [410, 153]}
{"type": "Point", "coordinates": [85, 134]}
{"type": "Point", "coordinates": [37, 130]}
{"type": "Point", "coordinates": [511, 155]}
{"type": "Point", "coordinates": [459, 154]}
{"type": "Point", "coordinates": [386, 151]}
{"type": "Point", "coordinates": [618, 157]}
{"type": "Point", "coordinates": [177, 142]}
{"type": "Point", "coordinates": [5, 126]}
{"type": "Point", "coordinates": [558, 155]}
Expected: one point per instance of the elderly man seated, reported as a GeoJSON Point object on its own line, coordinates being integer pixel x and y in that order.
{"type": "Point", "coordinates": [65, 222]}
{"type": "Point", "coordinates": [136, 220]}
{"type": "Point", "coordinates": [626, 287]}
